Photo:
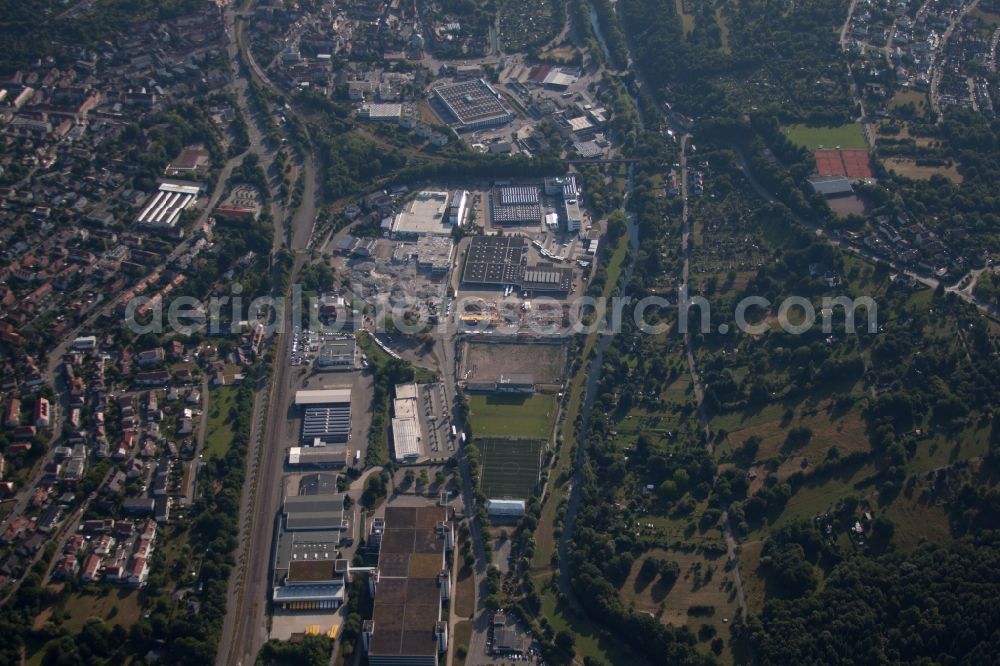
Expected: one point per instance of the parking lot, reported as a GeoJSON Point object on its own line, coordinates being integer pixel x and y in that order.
{"type": "Point", "coordinates": [362, 386]}
{"type": "Point", "coordinates": [436, 422]}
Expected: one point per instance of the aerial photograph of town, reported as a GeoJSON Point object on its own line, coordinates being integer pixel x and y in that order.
{"type": "Point", "coordinates": [477, 332]}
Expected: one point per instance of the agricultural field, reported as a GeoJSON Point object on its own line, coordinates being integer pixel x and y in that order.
{"type": "Point", "coordinates": [487, 362]}
{"type": "Point", "coordinates": [850, 135]}
{"type": "Point", "coordinates": [508, 415]}
{"type": "Point", "coordinates": [510, 467]}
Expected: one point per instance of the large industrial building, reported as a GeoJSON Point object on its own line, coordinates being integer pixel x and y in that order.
{"type": "Point", "coordinates": [163, 210]}
{"type": "Point", "coordinates": [326, 415]}
{"type": "Point", "coordinates": [426, 215]}
{"type": "Point", "coordinates": [406, 424]}
{"type": "Point", "coordinates": [515, 205]}
{"type": "Point", "coordinates": [574, 218]}
{"type": "Point", "coordinates": [329, 456]}
{"type": "Point", "coordinates": [307, 574]}
{"type": "Point", "coordinates": [409, 585]}
{"type": "Point", "coordinates": [494, 262]}
{"type": "Point", "coordinates": [472, 105]}
{"type": "Point", "coordinates": [337, 354]}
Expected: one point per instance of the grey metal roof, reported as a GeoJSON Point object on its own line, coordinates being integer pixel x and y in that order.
{"type": "Point", "coordinates": [831, 185]}
{"type": "Point", "coordinates": [314, 512]}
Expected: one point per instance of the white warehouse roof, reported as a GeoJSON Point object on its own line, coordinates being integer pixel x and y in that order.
{"type": "Point", "coordinates": [323, 396]}
{"type": "Point", "coordinates": [505, 507]}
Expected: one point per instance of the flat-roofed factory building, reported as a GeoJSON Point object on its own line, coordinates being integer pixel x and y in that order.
{"type": "Point", "coordinates": [164, 208]}
{"type": "Point", "coordinates": [307, 574]}
{"type": "Point", "coordinates": [326, 415]}
{"type": "Point", "coordinates": [427, 214]}
{"type": "Point", "coordinates": [409, 586]}
{"type": "Point", "coordinates": [326, 456]}
{"type": "Point", "coordinates": [493, 262]}
{"type": "Point", "coordinates": [405, 424]}
{"type": "Point", "coordinates": [471, 105]}
{"type": "Point", "coordinates": [337, 354]}
{"type": "Point", "coordinates": [515, 205]}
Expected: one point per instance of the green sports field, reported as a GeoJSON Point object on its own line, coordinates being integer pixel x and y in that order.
{"type": "Point", "coordinates": [510, 467]}
{"type": "Point", "coordinates": [512, 415]}
{"type": "Point", "coordinates": [850, 135]}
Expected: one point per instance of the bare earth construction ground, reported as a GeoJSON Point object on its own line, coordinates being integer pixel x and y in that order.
{"type": "Point", "coordinates": [487, 361]}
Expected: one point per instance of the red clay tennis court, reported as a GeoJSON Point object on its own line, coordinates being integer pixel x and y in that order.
{"type": "Point", "coordinates": [857, 163]}
{"type": "Point", "coordinates": [828, 163]}
{"type": "Point", "coordinates": [853, 163]}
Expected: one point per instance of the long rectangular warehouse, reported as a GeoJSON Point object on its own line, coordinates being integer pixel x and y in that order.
{"type": "Point", "coordinates": [332, 396]}
{"type": "Point", "coordinates": [327, 424]}
{"type": "Point", "coordinates": [324, 457]}
{"type": "Point", "coordinates": [165, 207]}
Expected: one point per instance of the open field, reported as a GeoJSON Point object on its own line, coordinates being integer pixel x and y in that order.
{"type": "Point", "coordinates": [589, 639]}
{"type": "Point", "coordinates": [813, 499]}
{"type": "Point", "coordinates": [462, 637]}
{"type": "Point", "coordinates": [844, 430]}
{"type": "Point", "coordinates": [484, 361]}
{"type": "Point", "coordinates": [907, 96]}
{"type": "Point", "coordinates": [465, 593]}
{"type": "Point", "coordinates": [753, 583]}
{"type": "Point", "coordinates": [904, 133]}
{"type": "Point", "coordinates": [510, 467]}
{"type": "Point", "coordinates": [723, 30]}
{"type": "Point", "coordinates": [510, 415]}
{"type": "Point", "coordinates": [849, 205]}
{"type": "Point", "coordinates": [849, 135]}
{"type": "Point", "coordinates": [219, 433]}
{"type": "Point", "coordinates": [113, 605]}
{"type": "Point", "coordinates": [909, 168]}
{"type": "Point", "coordinates": [944, 449]}
{"type": "Point", "coordinates": [703, 581]}
{"type": "Point", "coordinates": [687, 20]}
{"type": "Point", "coordinates": [917, 521]}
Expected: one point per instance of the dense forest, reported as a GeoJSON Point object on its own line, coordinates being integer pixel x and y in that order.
{"type": "Point", "coordinates": [781, 57]}
{"type": "Point", "coordinates": [934, 605]}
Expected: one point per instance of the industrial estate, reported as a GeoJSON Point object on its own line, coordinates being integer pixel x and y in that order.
{"type": "Point", "coordinates": [600, 332]}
